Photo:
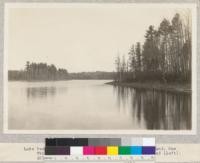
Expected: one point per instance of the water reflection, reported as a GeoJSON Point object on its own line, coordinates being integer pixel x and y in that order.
{"type": "Point", "coordinates": [158, 109]}
{"type": "Point", "coordinates": [40, 92]}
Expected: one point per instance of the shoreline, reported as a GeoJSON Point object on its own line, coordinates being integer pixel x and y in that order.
{"type": "Point", "coordinates": [52, 80]}
{"type": "Point", "coordinates": [172, 87]}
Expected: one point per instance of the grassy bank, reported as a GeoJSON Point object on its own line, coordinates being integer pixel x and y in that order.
{"type": "Point", "coordinates": [172, 87]}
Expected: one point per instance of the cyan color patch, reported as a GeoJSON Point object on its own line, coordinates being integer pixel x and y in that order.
{"type": "Point", "coordinates": [136, 150]}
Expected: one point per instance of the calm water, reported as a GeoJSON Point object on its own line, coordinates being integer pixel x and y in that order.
{"type": "Point", "coordinates": [91, 104]}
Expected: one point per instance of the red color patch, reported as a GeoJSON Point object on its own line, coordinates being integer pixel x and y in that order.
{"type": "Point", "coordinates": [100, 150]}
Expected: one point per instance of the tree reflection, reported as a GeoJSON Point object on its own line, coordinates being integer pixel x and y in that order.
{"type": "Point", "coordinates": [40, 92]}
{"type": "Point", "coordinates": [158, 109]}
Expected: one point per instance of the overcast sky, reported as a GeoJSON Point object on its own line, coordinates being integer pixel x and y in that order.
{"type": "Point", "coordinates": [78, 38]}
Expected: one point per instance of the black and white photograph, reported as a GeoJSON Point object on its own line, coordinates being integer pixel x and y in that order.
{"type": "Point", "coordinates": [102, 67]}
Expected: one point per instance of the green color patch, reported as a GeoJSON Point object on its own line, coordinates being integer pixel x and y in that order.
{"type": "Point", "coordinates": [124, 150]}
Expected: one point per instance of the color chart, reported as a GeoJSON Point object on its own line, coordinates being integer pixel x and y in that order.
{"type": "Point", "coordinates": [111, 147]}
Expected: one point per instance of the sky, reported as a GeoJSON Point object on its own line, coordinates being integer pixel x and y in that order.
{"type": "Point", "coordinates": [78, 37]}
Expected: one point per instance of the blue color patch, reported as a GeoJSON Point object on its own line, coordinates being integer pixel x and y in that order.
{"type": "Point", "coordinates": [136, 150]}
{"type": "Point", "coordinates": [151, 150]}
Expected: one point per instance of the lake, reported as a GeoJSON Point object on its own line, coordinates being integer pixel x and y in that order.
{"type": "Point", "coordinates": [91, 104]}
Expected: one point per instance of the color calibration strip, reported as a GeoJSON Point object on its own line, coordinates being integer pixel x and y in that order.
{"type": "Point", "coordinates": [100, 146]}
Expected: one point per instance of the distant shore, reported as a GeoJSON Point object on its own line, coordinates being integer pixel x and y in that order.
{"type": "Point", "coordinates": [53, 80]}
{"type": "Point", "coordinates": [185, 88]}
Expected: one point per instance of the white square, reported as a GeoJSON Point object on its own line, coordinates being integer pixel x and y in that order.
{"type": "Point", "coordinates": [76, 150]}
{"type": "Point", "coordinates": [148, 142]}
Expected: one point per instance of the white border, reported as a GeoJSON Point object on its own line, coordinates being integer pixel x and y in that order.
{"type": "Point", "coordinates": [193, 8]}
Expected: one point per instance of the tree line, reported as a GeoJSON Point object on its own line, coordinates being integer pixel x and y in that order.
{"type": "Point", "coordinates": [38, 71]}
{"type": "Point", "coordinates": [44, 72]}
{"type": "Point", "coordinates": [165, 55]}
{"type": "Point", "coordinates": [92, 75]}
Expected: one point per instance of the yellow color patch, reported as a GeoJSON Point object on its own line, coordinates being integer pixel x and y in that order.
{"type": "Point", "coordinates": [112, 150]}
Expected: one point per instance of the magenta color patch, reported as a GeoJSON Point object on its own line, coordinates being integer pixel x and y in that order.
{"type": "Point", "coordinates": [88, 150]}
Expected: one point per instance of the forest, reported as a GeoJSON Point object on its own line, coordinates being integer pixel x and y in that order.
{"type": "Point", "coordinates": [44, 72]}
{"type": "Point", "coordinates": [38, 71]}
{"type": "Point", "coordinates": [92, 75]}
{"type": "Point", "coordinates": [165, 55]}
